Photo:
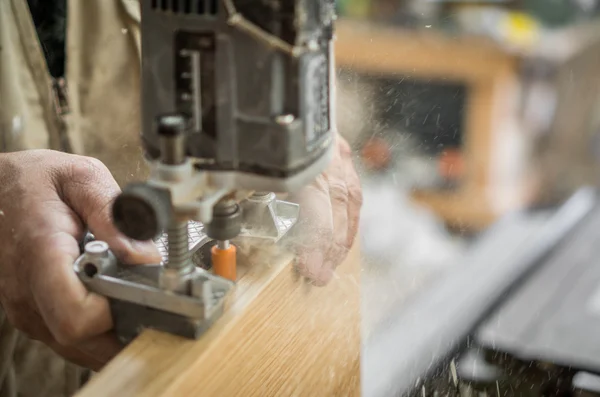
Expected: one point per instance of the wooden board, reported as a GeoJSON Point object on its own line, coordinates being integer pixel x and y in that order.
{"type": "Point", "coordinates": [280, 336]}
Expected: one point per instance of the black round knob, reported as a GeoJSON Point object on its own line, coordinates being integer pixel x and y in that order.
{"type": "Point", "coordinates": [226, 222]}
{"type": "Point", "coordinates": [141, 212]}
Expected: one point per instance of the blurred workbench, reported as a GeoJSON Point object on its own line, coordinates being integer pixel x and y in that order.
{"type": "Point", "coordinates": [514, 96]}
{"type": "Point", "coordinates": [279, 336]}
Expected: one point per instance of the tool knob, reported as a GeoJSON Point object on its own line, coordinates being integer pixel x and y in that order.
{"type": "Point", "coordinates": [141, 212]}
{"type": "Point", "coordinates": [226, 223]}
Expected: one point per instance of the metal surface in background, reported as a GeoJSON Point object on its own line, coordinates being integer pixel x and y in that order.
{"type": "Point", "coordinates": [555, 316]}
{"type": "Point", "coordinates": [425, 334]}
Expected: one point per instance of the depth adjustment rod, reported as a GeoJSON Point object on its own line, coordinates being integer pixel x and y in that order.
{"type": "Point", "coordinates": [174, 296]}
{"type": "Point", "coordinates": [143, 212]}
{"type": "Point", "coordinates": [178, 267]}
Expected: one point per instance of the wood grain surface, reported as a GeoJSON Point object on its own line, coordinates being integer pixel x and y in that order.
{"type": "Point", "coordinates": [279, 336]}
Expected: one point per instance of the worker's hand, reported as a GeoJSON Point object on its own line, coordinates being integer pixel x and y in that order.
{"type": "Point", "coordinates": [329, 215]}
{"type": "Point", "coordinates": [47, 199]}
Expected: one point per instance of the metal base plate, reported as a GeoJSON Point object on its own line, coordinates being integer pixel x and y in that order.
{"type": "Point", "coordinates": [130, 319]}
{"type": "Point", "coordinates": [138, 301]}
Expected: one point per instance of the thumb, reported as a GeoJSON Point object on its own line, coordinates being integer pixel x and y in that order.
{"type": "Point", "coordinates": [88, 187]}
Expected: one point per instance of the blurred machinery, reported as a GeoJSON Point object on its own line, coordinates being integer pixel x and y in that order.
{"type": "Point", "coordinates": [235, 105]}
{"type": "Point", "coordinates": [525, 129]}
{"type": "Point", "coordinates": [519, 317]}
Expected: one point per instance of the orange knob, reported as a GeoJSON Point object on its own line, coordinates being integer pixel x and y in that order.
{"type": "Point", "coordinates": [376, 154]}
{"type": "Point", "coordinates": [224, 261]}
{"type": "Point", "coordinates": [451, 164]}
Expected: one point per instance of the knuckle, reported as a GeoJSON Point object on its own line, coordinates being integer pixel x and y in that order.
{"type": "Point", "coordinates": [85, 169]}
{"type": "Point", "coordinates": [10, 174]}
{"type": "Point", "coordinates": [338, 193]}
{"type": "Point", "coordinates": [38, 154]}
{"type": "Point", "coordinates": [319, 184]}
{"type": "Point", "coordinates": [30, 156]}
{"type": "Point", "coordinates": [96, 165]}
{"type": "Point", "coordinates": [16, 164]}
{"type": "Point", "coordinates": [340, 251]}
{"type": "Point", "coordinates": [88, 180]}
{"type": "Point", "coordinates": [356, 195]}
{"type": "Point", "coordinates": [103, 214]}
{"type": "Point", "coordinates": [355, 189]}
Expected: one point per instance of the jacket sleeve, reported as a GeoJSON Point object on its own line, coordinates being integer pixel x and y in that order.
{"type": "Point", "coordinates": [8, 342]}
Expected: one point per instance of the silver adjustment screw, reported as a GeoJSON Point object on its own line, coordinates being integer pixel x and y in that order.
{"type": "Point", "coordinates": [285, 119]}
{"type": "Point", "coordinates": [96, 249]}
{"type": "Point", "coordinates": [96, 254]}
{"type": "Point", "coordinates": [178, 248]}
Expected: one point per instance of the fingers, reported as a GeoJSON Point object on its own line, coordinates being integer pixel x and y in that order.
{"type": "Point", "coordinates": [70, 312]}
{"type": "Point", "coordinates": [89, 189]}
{"type": "Point", "coordinates": [354, 190]}
{"type": "Point", "coordinates": [339, 176]}
{"type": "Point", "coordinates": [26, 319]}
{"type": "Point", "coordinates": [93, 353]}
{"type": "Point", "coordinates": [329, 211]}
{"type": "Point", "coordinates": [313, 234]}
{"type": "Point", "coordinates": [338, 196]}
{"type": "Point", "coordinates": [44, 207]}
{"type": "Point", "coordinates": [75, 356]}
{"type": "Point", "coordinates": [102, 348]}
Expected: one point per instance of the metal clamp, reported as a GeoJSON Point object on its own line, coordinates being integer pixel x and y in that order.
{"type": "Point", "coordinates": [164, 296]}
{"type": "Point", "coordinates": [137, 300]}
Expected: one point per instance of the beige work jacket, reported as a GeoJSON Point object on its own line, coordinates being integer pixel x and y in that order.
{"type": "Point", "coordinates": [100, 119]}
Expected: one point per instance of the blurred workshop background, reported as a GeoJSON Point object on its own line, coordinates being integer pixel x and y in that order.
{"type": "Point", "coordinates": [461, 112]}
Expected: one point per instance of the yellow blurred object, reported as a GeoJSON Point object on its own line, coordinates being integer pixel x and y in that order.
{"type": "Point", "coordinates": [521, 29]}
{"type": "Point", "coordinates": [356, 8]}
